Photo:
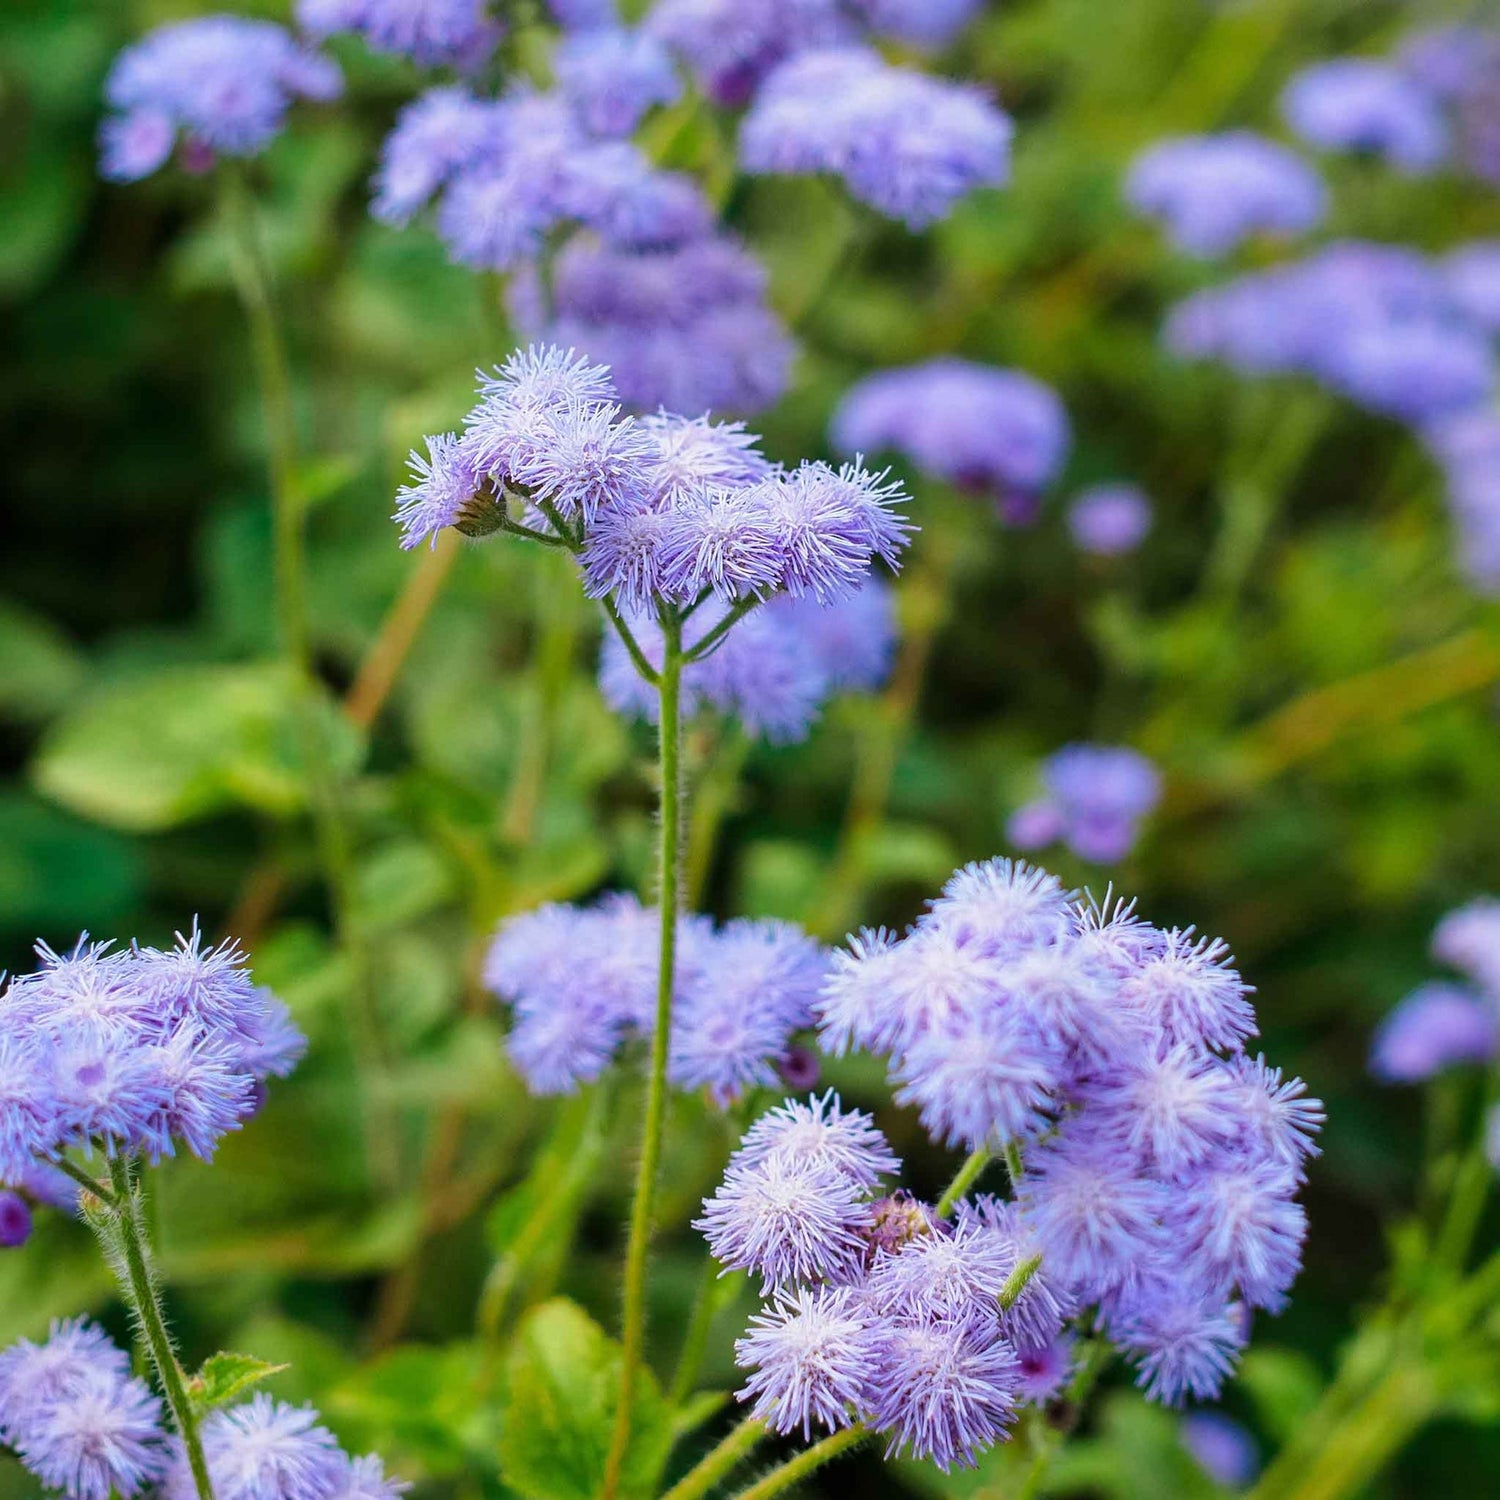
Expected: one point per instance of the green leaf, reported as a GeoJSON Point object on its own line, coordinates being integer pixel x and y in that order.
{"type": "Point", "coordinates": [184, 743]}
{"type": "Point", "coordinates": [561, 1391]}
{"type": "Point", "coordinates": [225, 1376]}
{"type": "Point", "coordinates": [1285, 1387]}
{"type": "Point", "coordinates": [39, 668]}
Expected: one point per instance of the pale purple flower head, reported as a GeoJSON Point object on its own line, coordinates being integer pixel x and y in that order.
{"type": "Point", "coordinates": [1472, 275]}
{"type": "Point", "coordinates": [459, 33]}
{"type": "Point", "coordinates": [1213, 192]}
{"type": "Point", "coordinates": [1108, 519]}
{"type": "Point", "coordinates": [1224, 1450]}
{"type": "Point", "coordinates": [1191, 991]}
{"type": "Point", "coordinates": [1184, 1342]}
{"type": "Point", "coordinates": [1468, 938]}
{"type": "Point", "coordinates": [436, 136]}
{"type": "Point", "coordinates": [444, 486]}
{"type": "Point", "coordinates": [809, 1354]}
{"type": "Point", "coordinates": [906, 143]}
{"type": "Point", "coordinates": [1415, 369]}
{"type": "Point", "coordinates": [1437, 1026]}
{"type": "Point", "coordinates": [1359, 104]}
{"type": "Point", "coordinates": [15, 1220]}
{"type": "Point", "coordinates": [612, 76]}
{"type": "Point", "coordinates": [78, 1355]}
{"type": "Point", "coordinates": [995, 431]}
{"type": "Point", "coordinates": [223, 84]}
{"type": "Point", "coordinates": [1467, 447]}
{"type": "Point", "coordinates": [365, 1479]}
{"type": "Point", "coordinates": [821, 1131]}
{"type": "Point", "coordinates": [1045, 1371]}
{"type": "Point", "coordinates": [1096, 797]}
{"type": "Point", "coordinates": [264, 1450]}
{"type": "Point", "coordinates": [104, 1438]}
{"type": "Point", "coordinates": [918, 23]}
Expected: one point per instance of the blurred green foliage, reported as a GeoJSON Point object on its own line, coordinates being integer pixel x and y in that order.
{"type": "Point", "coordinates": [1293, 646]}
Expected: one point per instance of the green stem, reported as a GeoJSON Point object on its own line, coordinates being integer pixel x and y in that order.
{"type": "Point", "coordinates": [88, 1183]}
{"type": "Point", "coordinates": [669, 879]}
{"type": "Point", "coordinates": [718, 1461]}
{"type": "Point", "coordinates": [140, 1289]}
{"type": "Point", "coordinates": [1016, 1282]}
{"type": "Point", "coordinates": [785, 1475]}
{"type": "Point", "coordinates": [330, 825]}
{"type": "Point", "coordinates": [633, 646]}
{"type": "Point", "coordinates": [705, 647]}
{"type": "Point", "coordinates": [965, 1178]}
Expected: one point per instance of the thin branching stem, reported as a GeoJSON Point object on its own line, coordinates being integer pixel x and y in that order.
{"type": "Point", "coordinates": [783, 1476]}
{"type": "Point", "coordinates": [720, 1460]}
{"type": "Point", "coordinates": [965, 1178]}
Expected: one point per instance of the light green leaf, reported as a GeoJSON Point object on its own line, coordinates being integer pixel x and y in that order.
{"type": "Point", "coordinates": [225, 1376]}
{"type": "Point", "coordinates": [561, 1390]}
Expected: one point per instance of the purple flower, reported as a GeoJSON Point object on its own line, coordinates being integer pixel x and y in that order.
{"type": "Point", "coordinates": [430, 32]}
{"type": "Point", "coordinates": [985, 429]}
{"type": "Point", "coordinates": [853, 1007]}
{"type": "Point", "coordinates": [942, 1391]}
{"type": "Point", "coordinates": [1213, 192]}
{"type": "Point", "coordinates": [1469, 939]}
{"type": "Point", "coordinates": [1168, 1109]}
{"type": "Point", "coordinates": [436, 136]}
{"type": "Point", "coordinates": [906, 143]}
{"type": "Point", "coordinates": [1097, 795]}
{"type": "Point", "coordinates": [821, 1131]}
{"type": "Point", "coordinates": [1240, 1227]}
{"type": "Point", "coordinates": [444, 485]}
{"type": "Point", "coordinates": [15, 1220]}
{"type": "Point", "coordinates": [103, 1438]}
{"type": "Point", "coordinates": [1472, 275]}
{"type": "Point", "coordinates": [1437, 1026]}
{"type": "Point", "coordinates": [1045, 1371]}
{"type": "Point", "coordinates": [264, 1450]}
{"type": "Point", "coordinates": [1108, 519]}
{"type": "Point", "coordinates": [1277, 1118]}
{"type": "Point", "coordinates": [1468, 448]}
{"type": "Point", "coordinates": [809, 1353]}
{"type": "Point", "coordinates": [1002, 904]}
{"type": "Point", "coordinates": [1224, 1450]}
{"type": "Point", "coordinates": [1192, 992]}
{"type": "Point", "coordinates": [1415, 369]}
{"type": "Point", "coordinates": [223, 83]}
{"type": "Point", "coordinates": [365, 1479]}
{"type": "Point", "coordinates": [919, 23]}
{"type": "Point", "coordinates": [78, 1355]}
{"type": "Point", "coordinates": [788, 1221]}
{"type": "Point", "coordinates": [1357, 104]}
{"type": "Point", "coordinates": [612, 77]}
{"type": "Point", "coordinates": [1184, 1343]}
{"type": "Point", "coordinates": [942, 1275]}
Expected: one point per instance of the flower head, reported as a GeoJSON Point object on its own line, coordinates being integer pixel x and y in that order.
{"type": "Point", "coordinates": [264, 1450]}
{"type": "Point", "coordinates": [1109, 519]}
{"type": "Point", "coordinates": [1357, 104]}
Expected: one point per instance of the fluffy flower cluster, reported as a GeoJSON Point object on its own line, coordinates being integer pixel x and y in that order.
{"type": "Point", "coordinates": [731, 45]}
{"type": "Point", "coordinates": [1362, 104]}
{"type": "Point", "coordinates": [136, 1051]}
{"type": "Point", "coordinates": [775, 671]}
{"type": "Point", "coordinates": [907, 144]}
{"type": "Point", "coordinates": [89, 1430]}
{"type": "Point", "coordinates": [666, 510]}
{"type": "Point", "coordinates": [1400, 334]}
{"type": "Point", "coordinates": [1443, 1024]}
{"type": "Point", "coordinates": [1467, 449]}
{"type": "Point", "coordinates": [1161, 1160]}
{"type": "Point", "coordinates": [221, 83]}
{"type": "Point", "coordinates": [999, 432]}
{"type": "Point", "coordinates": [1459, 66]}
{"type": "Point", "coordinates": [1095, 798]}
{"type": "Point", "coordinates": [1108, 519]}
{"type": "Point", "coordinates": [460, 33]}
{"type": "Point", "coordinates": [1213, 192]}
{"type": "Point", "coordinates": [682, 326]}
{"type": "Point", "coordinates": [582, 980]}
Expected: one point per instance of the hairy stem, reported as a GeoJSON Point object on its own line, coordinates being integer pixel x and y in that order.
{"type": "Point", "coordinates": [710, 641]}
{"type": "Point", "coordinates": [140, 1290]}
{"type": "Point", "coordinates": [633, 646]}
{"type": "Point", "coordinates": [633, 1334]}
{"type": "Point", "coordinates": [783, 1476]}
{"type": "Point", "coordinates": [718, 1461]}
{"type": "Point", "coordinates": [325, 795]}
{"type": "Point", "coordinates": [87, 1182]}
{"type": "Point", "coordinates": [965, 1178]}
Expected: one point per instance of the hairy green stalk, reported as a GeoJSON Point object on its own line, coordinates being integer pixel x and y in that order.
{"type": "Point", "coordinates": [633, 1335]}
{"type": "Point", "coordinates": [783, 1476]}
{"type": "Point", "coordinates": [719, 1461]}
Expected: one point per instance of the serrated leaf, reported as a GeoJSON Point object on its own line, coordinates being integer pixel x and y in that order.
{"type": "Point", "coordinates": [225, 1376]}
{"type": "Point", "coordinates": [561, 1393]}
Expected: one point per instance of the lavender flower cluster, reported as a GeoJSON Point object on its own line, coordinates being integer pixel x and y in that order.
{"type": "Point", "coordinates": [733, 45]}
{"type": "Point", "coordinates": [1444, 1024]}
{"type": "Point", "coordinates": [996, 432]}
{"type": "Point", "coordinates": [683, 512]}
{"type": "Point", "coordinates": [89, 1430]}
{"type": "Point", "coordinates": [458, 33]}
{"type": "Point", "coordinates": [222, 84]}
{"type": "Point", "coordinates": [1095, 798]}
{"type": "Point", "coordinates": [136, 1051]}
{"type": "Point", "coordinates": [1213, 192]}
{"type": "Point", "coordinates": [1156, 1166]}
{"type": "Point", "coordinates": [582, 980]}
{"type": "Point", "coordinates": [908, 144]}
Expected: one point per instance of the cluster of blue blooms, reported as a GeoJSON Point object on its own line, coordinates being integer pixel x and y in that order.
{"type": "Point", "coordinates": [1445, 1024]}
{"type": "Point", "coordinates": [136, 1051]}
{"type": "Point", "coordinates": [222, 84]}
{"type": "Point", "coordinates": [687, 513]}
{"type": "Point", "coordinates": [89, 1430]}
{"type": "Point", "coordinates": [582, 980]}
{"type": "Point", "coordinates": [456, 33]}
{"type": "Point", "coordinates": [996, 432]}
{"type": "Point", "coordinates": [907, 144]}
{"type": "Point", "coordinates": [732, 45]}
{"type": "Point", "coordinates": [1095, 797]}
{"type": "Point", "coordinates": [1156, 1170]}
{"type": "Point", "coordinates": [1213, 192]}
{"type": "Point", "coordinates": [1108, 519]}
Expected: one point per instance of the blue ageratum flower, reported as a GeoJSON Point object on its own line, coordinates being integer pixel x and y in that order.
{"type": "Point", "coordinates": [1437, 1026]}
{"type": "Point", "coordinates": [613, 76]}
{"type": "Point", "coordinates": [264, 1450]}
{"type": "Point", "coordinates": [990, 431]}
{"type": "Point", "coordinates": [1213, 192]}
{"type": "Point", "coordinates": [823, 1132]}
{"type": "Point", "coordinates": [459, 33]}
{"type": "Point", "coordinates": [1472, 276]}
{"type": "Point", "coordinates": [220, 84]}
{"type": "Point", "coordinates": [76, 1355]}
{"type": "Point", "coordinates": [906, 143]}
{"type": "Point", "coordinates": [1095, 799]}
{"type": "Point", "coordinates": [1185, 1343]}
{"type": "Point", "coordinates": [1360, 104]}
{"type": "Point", "coordinates": [1109, 519]}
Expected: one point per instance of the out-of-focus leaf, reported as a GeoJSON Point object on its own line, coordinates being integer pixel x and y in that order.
{"type": "Point", "coordinates": [183, 743]}
{"type": "Point", "coordinates": [40, 670]}
{"type": "Point", "coordinates": [779, 878]}
{"type": "Point", "coordinates": [59, 874]}
{"type": "Point", "coordinates": [1285, 1387]}
{"type": "Point", "coordinates": [561, 1393]}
